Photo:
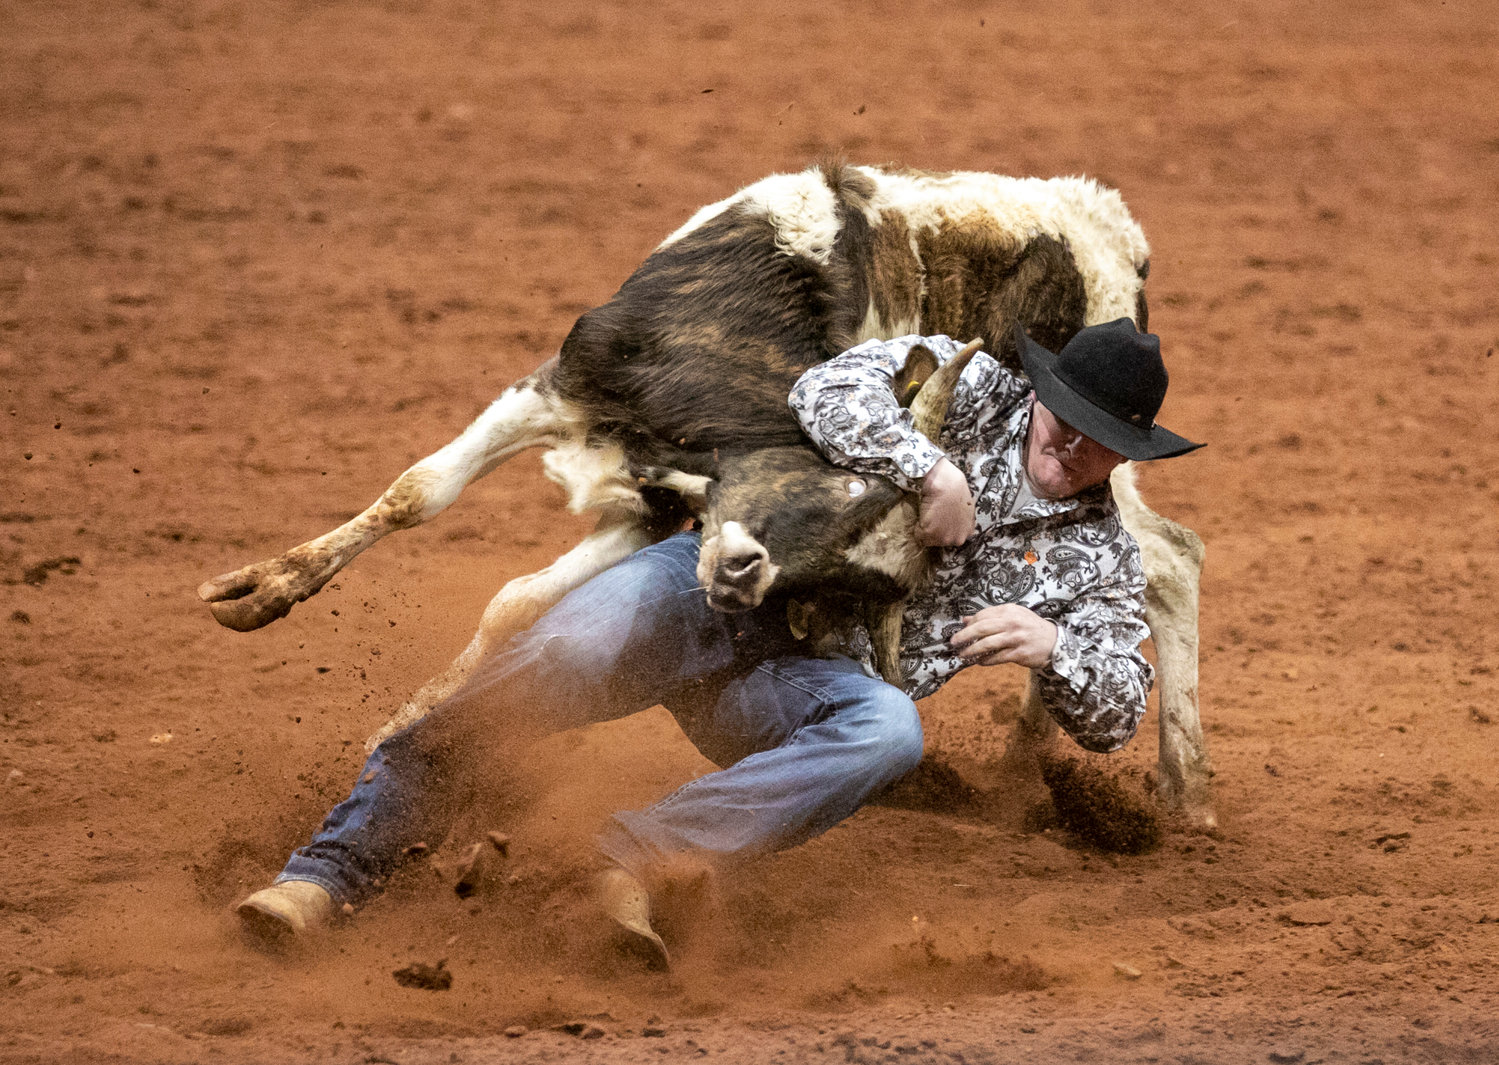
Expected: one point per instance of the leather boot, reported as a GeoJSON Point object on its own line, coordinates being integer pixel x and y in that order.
{"type": "Point", "coordinates": [275, 917]}
{"type": "Point", "coordinates": [625, 901]}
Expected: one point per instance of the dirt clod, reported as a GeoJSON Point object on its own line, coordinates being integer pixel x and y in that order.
{"type": "Point", "coordinates": [1101, 808]}
{"type": "Point", "coordinates": [582, 1029]}
{"type": "Point", "coordinates": [1312, 912]}
{"type": "Point", "coordinates": [425, 977]}
{"type": "Point", "coordinates": [468, 871]}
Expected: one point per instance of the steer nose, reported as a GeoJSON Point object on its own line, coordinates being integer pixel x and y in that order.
{"type": "Point", "coordinates": [742, 567]}
{"type": "Point", "coordinates": [736, 569]}
{"type": "Point", "coordinates": [739, 581]}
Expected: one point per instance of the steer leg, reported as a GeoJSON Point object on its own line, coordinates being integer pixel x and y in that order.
{"type": "Point", "coordinates": [1031, 741]}
{"type": "Point", "coordinates": [1034, 732]}
{"type": "Point", "coordinates": [618, 534]}
{"type": "Point", "coordinates": [525, 415]}
{"type": "Point", "coordinates": [1173, 556]}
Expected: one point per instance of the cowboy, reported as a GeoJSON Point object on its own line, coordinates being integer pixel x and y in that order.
{"type": "Point", "coordinates": [1034, 569]}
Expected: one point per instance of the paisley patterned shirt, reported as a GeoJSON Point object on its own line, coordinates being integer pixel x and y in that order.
{"type": "Point", "coordinates": [1069, 560]}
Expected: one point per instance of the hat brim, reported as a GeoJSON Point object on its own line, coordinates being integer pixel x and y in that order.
{"type": "Point", "coordinates": [1132, 441]}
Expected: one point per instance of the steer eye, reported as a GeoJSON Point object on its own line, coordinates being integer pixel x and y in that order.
{"type": "Point", "coordinates": [855, 488]}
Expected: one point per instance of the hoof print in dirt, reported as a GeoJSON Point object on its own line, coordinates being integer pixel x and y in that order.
{"type": "Point", "coordinates": [37, 575]}
{"type": "Point", "coordinates": [425, 977]}
{"type": "Point", "coordinates": [1101, 808]}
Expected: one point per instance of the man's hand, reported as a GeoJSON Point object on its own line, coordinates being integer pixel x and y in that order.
{"type": "Point", "coordinates": [947, 512]}
{"type": "Point", "coordinates": [1007, 633]}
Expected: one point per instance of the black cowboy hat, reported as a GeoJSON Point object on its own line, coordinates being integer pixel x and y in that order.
{"type": "Point", "coordinates": [1107, 383]}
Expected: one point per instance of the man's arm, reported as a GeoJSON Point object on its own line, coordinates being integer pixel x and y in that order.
{"type": "Point", "coordinates": [1098, 680]}
{"type": "Point", "coordinates": [847, 406]}
{"type": "Point", "coordinates": [1092, 676]}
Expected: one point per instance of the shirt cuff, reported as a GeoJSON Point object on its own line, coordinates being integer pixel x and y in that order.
{"type": "Point", "coordinates": [1067, 659]}
{"type": "Point", "coordinates": [913, 461]}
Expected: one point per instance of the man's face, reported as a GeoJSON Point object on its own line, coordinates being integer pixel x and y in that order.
{"type": "Point", "coordinates": [1059, 460]}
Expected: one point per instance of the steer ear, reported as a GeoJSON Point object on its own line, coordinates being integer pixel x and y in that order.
{"type": "Point", "coordinates": [693, 488]}
{"type": "Point", "coordinates": [920, 365]}
{"type": "Point", "coordinates": [929, 407]}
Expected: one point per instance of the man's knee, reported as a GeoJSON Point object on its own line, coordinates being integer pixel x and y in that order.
{"type": "Point", "coordinates": [554, 663]}
{"type": "Point", "coordinates": [897, 733]}
{"type": "Point", "coordinates": [661, 568]}
{"type": "Point", "coordinates": [649, 585]}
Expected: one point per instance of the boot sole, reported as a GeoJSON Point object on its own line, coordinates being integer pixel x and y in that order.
{"type": "Point", "coordinates": [648, 948]}
{"type": "Point", "coordinates": [263, 930]}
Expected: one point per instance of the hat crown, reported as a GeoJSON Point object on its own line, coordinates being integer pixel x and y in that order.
{"type": "Point", "coordinates": [1116, 368]}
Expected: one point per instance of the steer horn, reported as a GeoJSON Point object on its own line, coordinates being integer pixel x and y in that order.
{"type": "Point", "coordinates": [929, 408]}
{"type": "Point", "coordinates": [928, 412]}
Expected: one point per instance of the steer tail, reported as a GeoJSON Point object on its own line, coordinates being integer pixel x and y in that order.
{"type": "Point", "coordinates": [929, 408]}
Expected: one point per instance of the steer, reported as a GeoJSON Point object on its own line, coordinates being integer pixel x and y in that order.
{"type": "Point", "coordinates": [669, 401]}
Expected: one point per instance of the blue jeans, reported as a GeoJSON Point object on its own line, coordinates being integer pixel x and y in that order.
{"type": "Point", "coordinates": [804, 741]}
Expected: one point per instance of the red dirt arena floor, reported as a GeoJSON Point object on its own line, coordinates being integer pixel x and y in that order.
{"type": "Point", "coordinates": [256, 258]}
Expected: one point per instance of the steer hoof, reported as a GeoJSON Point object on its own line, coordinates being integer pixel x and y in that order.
{"type": "Point", "coordinates": [252, 597]}
{"type": "Point", "coordinates": [224, 586]}
{"type": "Point", "coordinates": [1198, 815]}
{"type": "Point", "coordinates": [246, 615]}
